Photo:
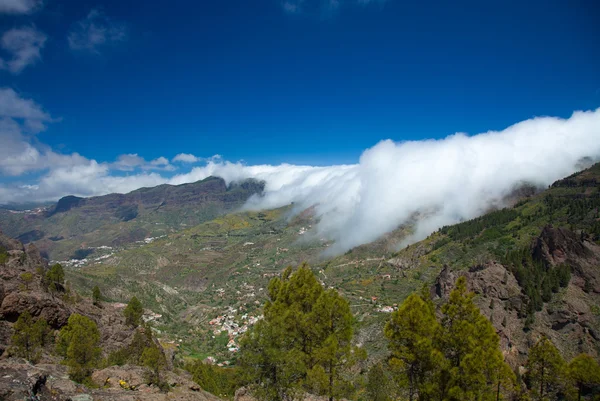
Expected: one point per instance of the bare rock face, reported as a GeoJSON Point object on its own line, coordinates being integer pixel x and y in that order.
{"type": "Point", "coordinates": [569, 320]}
{"type": "Point", "coordinates": [22, 381]}
{"type": "Point", "coordinates": [557, 245]}
{"type": "Point", "coordinates": [43, 305]}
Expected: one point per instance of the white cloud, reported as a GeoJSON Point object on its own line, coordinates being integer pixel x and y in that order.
{"type": "Point", "coordinates": [447, 180]}
{"type": "Point", "coordinates": [95, 31]}
{"type": "Point", "coordinates": [322, 7]}
{"type": "Point", "coordinates": [186, 158]}
{"type": "Point", "coordinates": [24, 46]}
{"type": "Point", "coordinates": [190, 158]}
{"type": "Point", "coordinates": [19, 6]}
{"type": "Point", "coordinates": [444, 181]}
{"type": "Point", "coordinates": [132, 161]}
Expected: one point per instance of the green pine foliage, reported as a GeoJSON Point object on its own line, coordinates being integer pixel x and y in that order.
{"type": "Point", "coordinates": [410, 331]}
{"type": "Point", "coordinates": [96, 296]}
{"type": "Point", "coordinates": [78, 344]}
{"type": "Point", "coordinates": [379, 385]}
{"type": "Point", "coordinates": [3, 255]}
{"type": "Point", "coordinates": [584, 373]}
{"type": "Point", "coordinates": [133, 312]}
{"type": "Point", "coordinates": [303, 343]}
{"type": "Point", "coordinates": [154, 359]}
{"type": "Point", "coordinates": [29, 337]}
{"type": "Point", "coordinates": [54, 277]}
{"type": "Point", "coordinates": [546, 375]}
{"type": "Point", "coordinates": [222, 382]}
{"type": "Point", "coordinates": [537, 279]}
{"type": "Point", "coordinates": [474, 227]}
{"type": "Point", "coordinates": [455, 356]}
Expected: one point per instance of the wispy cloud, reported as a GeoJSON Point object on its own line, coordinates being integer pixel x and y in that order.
{"type": "Point", "coordinates": [19, 6]}
{"type": "Point", "coordinates": [95, 31]}
{"type": "Point", "coordinates": [322, 7]}
{"type": "Point", "coordinates": [132, 161]}
{"type": "Point", "coordinates": [20, 120]}
{"type": "Point", "coordinates": [190, 158]}
{"type": "Point", "coordinates": [23, 45]}
{"type": "Point", "coordinates": [186, 158]}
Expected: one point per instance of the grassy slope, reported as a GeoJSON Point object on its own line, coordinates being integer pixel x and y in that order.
{"type": "Point", "coordinates": [181, 274]}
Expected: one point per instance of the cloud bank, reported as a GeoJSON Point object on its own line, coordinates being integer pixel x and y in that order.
{"type": "Point", "coordinates": [444, 181]}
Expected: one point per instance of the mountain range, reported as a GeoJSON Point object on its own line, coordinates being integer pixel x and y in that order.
{"type": "Point", "coordinates": [201, 264]}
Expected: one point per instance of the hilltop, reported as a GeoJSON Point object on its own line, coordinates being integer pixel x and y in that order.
{"type": "Point", "coordinates": [74, 227]}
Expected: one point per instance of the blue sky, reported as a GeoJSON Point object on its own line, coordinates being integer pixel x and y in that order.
{"type": "Point", "coordinates": [298, 81]}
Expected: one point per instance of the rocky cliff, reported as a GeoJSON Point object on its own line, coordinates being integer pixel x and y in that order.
{"type": "Point", "coordinates": [571, 319]}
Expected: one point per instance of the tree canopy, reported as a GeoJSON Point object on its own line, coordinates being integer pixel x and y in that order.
{"type": "Point", "coordinates": [454, 357]}
{"type": "Point", "coordinates": [78, 344]}
{"type": "Point", "coordinates": [304, 341]}
{"type": "Point", "coordinates": [133, 312]}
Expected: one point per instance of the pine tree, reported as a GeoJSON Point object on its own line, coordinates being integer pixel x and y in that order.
{"type": "Point", "coordinates": [27, 279]}
{"type": "Point", "coordinates": [469, 342]}
{"type": "Point", "coordinates": [545, 371]}
{"type": "Point", "coordinates": [154, 360]}
{"type": "Point", "coordinates": [23, 339]}
{"type": "Point", "coordinates": [96, 296]}
{"type": "Point", "coordinates": [333, 354]}
{"type": "Point", "coordinates": [378, 385]}
{"type": "Point", "coordinates": [411, 331]}
{"type": "Point", "coordinates": [78, 343]}
{"type": "Point", "coordinates": [584, 371]}
{"type": "Point", "coordinates": [133, 312]}
{"type": "Point", "coordinates": [41, 332]}
{"type": "Point", "coordinates": [302, 343]}
{"type": "Point", "coordinates": [55, 275]}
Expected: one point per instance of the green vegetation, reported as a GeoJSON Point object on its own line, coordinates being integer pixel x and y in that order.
{"type": "Point", "coordinates": [133, 312]}
{"type": "Point", "coordinates": [457, 357]}
{"type": "Point", "coordinates": [3, 255]}
{"type": "Point", "coordinates": [155, 361]}
{"type": "Point", "coordinates": [471, 228]}
{"type": "Point", "coordinates": [584, 372]}
{"type": "Point", "coordinates": [96, 295]}
{"type": "Point", "coordinates": [379, 384]}
{"type": "Point", "coordinates": [78, 343]}
{"type": "Point", "coordinates": [26, 279]}
{"type": "Point", "coordinates": [537, 279]}
{"type": "Point", "coordinates": [304, 341]}
{"type": "Point", "coordinates": [222, 382]}
{"type": "Point", "coordinates": [29, 337]}
{"type": "Point", "coordinates": [55, 277]}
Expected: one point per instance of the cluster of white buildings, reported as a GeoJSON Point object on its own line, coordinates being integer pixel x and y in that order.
{"type": "Point", "coordinates": [233, 326]}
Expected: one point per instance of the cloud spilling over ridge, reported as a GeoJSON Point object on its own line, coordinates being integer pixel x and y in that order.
{"type": "Point", "coordinates": [446, 181]}
{"type": "Point", "coordinates": [443, 181]}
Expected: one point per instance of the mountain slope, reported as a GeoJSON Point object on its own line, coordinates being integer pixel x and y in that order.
{"type": "Point", "coordinates": [48, 379]}
{"type": "Point", "coordinates": [74, 226]}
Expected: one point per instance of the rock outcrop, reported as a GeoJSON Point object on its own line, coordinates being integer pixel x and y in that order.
{"type": "Point", "coordinates": [570, 320]}
{"type": "Point", "coordinates": [21, 380]}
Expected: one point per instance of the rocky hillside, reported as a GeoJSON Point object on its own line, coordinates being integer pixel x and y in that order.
{"type": "Point", "coordinates": [75, 227]}
{"type": "Point", "coordinates": [211, 278]}
{"type": "Point", "coordinates": [571, 319]}
{"type": "Point", "coordinates": [22, 289]}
